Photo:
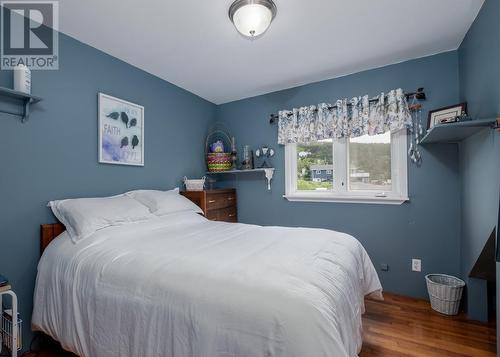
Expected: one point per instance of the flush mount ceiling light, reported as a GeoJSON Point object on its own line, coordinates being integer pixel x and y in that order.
{"type": "Point", "coordinates": [252, 17]}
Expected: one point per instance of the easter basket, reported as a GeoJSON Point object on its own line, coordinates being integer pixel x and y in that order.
{"type": "Point", "coordinates": [217, 144]}
{"type": "Point", "coordinates": [219, 161]}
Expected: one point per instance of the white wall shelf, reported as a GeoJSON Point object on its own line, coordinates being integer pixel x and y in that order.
{"type": "Point", "coordinates": [456, 132]}
{"type": "Point", "coordinates": [268, 172]}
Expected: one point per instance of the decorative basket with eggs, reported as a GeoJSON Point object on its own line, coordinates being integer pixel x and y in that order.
{"type": "Point", "coordinates": [217, 145]}
{"type": "Point", "coordinates": [219, 161]}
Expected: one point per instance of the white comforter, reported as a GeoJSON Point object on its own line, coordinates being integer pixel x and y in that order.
{"type": "Point", "coordinates": [185, 286]}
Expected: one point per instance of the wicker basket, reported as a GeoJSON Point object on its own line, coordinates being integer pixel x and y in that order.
{"type": "Point", "coordinates": [6, 331]}
{"type": "Point", "coordinates": [194, 185]}
{"type": "Point", "coordinates": [219, 161]}
{"type": "Point", "coordinates": [445, 293]}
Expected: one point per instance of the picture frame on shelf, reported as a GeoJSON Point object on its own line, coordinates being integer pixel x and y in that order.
{"type": "Point", "coordinates": [121, 131]}
{"type": "Point", "coordinates": [446, 115]}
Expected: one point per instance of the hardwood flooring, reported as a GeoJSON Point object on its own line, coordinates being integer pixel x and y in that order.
{"type": "Point", "coordinates": [402, 326]}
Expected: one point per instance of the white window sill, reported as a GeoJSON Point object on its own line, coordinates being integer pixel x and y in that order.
{"type": "Point", "coordinates": [308, 197]}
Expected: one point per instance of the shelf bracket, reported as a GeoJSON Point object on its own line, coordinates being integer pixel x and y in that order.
{"type": "Point", "coordinates": [269, 176]}
{"type": "Point", "coordinates": [26, 111]}
{"type": "Point", "coordinates": [22, 100]}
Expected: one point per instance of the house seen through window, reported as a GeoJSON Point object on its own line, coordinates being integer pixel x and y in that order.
{"type": "Point", "coordinates": [372, 167]}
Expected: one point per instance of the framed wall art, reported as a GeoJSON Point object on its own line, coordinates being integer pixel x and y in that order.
{"type": "Point", "coordinates": [121, 131]}
{"type": "Point", "coordinates": [446, 115]}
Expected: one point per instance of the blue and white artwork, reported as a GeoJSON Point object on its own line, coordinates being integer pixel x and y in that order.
{"type": "Point", "coordinates": [121, 131]}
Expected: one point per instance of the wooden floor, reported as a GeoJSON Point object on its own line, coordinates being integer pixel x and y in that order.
{"type": "Point", "coordinates": [402, 326]}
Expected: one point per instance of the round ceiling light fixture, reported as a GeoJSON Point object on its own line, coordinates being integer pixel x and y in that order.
{"type": "Point", "coordinates": [252, 17]}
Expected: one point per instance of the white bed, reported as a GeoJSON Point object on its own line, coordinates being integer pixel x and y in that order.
{"type": "Point", "coordinates": [181, 285]}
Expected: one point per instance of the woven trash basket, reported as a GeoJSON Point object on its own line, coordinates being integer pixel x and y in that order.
{"type": "Point", "coordinates": [445, 293]}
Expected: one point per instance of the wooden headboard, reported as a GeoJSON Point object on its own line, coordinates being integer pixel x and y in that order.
{"type": "Point", "coordinates": [48, 232]}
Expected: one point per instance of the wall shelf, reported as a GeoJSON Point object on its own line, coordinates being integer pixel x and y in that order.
{"type": "Point", "coordinates": [268, 171]}
{"type": "Point", "coordinates": [24, 98]}
{"type": "Point", "coordinates": [455, 132]}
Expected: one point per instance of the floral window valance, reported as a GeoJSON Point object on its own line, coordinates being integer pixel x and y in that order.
{"type": "Point", "coordinates": [348, 118]}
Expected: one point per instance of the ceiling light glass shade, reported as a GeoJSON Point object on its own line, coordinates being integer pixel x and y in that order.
{"type": "Point", "coordinates": [252, 17]}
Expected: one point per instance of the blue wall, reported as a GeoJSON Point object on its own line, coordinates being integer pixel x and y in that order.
{"type": "Point", "coordinates": [54, 154]}
{"type": "Point", "coordinates": [427, 227]}
{"type": "Point", "coordinates": [480, 178]}
{"type": "Point", "coordinates": [479, 59]}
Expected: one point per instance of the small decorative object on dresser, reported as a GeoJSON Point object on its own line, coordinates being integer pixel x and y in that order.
{"type": "Point", "coordinates": [194, 185]}
{"type": "Point", "coordinates": [217, 205]}
{"type": "Point", "coordinates": [450, 114]}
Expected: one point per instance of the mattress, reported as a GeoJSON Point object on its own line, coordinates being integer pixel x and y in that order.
{"type": "Point", "coordinates": [181, 285]}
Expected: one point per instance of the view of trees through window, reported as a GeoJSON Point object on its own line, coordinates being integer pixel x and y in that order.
{"type": "Point", "coordinates": [369, 164]}
{"type": "Point", "coordinates": [315, 166]}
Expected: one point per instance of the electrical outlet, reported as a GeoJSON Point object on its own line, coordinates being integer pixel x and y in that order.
{"type": "Point", "coordinates": [416, 265]}
{"type": "Point", "coordinates": [384, 267]}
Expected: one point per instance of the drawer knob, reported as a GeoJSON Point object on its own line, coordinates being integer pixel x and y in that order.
{"type": "Point", "coordinates": [230, 198]}
{"type": "Point", "coordinates": [231, 215]}
{"type": "Point", "coordinates": [211, 201]}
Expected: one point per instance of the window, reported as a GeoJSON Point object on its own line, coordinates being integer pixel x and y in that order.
{"type": "Point", "coordinates": [366, 169]}
{"type": "Point", "coordinates": [310, 158]}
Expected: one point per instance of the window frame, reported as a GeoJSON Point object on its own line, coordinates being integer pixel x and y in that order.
{"type": "Point", "coordinates": [340, 191]}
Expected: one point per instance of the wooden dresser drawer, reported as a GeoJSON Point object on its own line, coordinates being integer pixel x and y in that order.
{"type": "Point", "coordinates": [220, 200]}
{"type": "Point", "coordinates": [228, 214]}
{"type": "Point", "coordinates": [217, 205]}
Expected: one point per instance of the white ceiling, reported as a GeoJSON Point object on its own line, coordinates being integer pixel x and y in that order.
{"type": "Point", "coordinates": [192, 43]}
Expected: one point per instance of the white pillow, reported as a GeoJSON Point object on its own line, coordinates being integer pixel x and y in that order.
{"type": "Point", "coordinates": [161, 203]}
{"type": "Point", "coordinates": [84, 216]}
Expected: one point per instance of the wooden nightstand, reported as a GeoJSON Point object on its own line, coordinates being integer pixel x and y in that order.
{"type": "Point", "coordinates": [217, 205]}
